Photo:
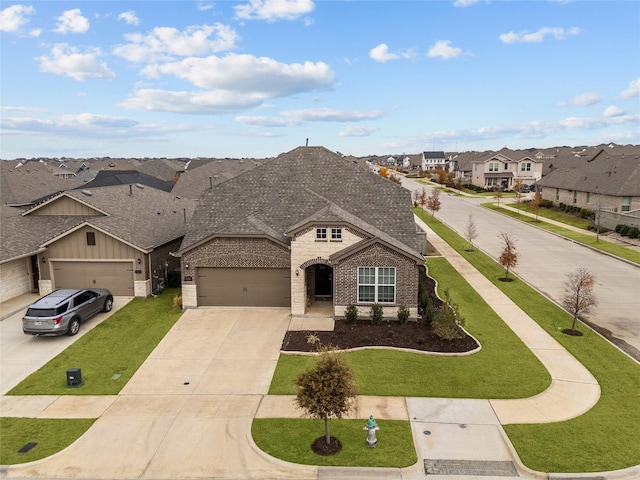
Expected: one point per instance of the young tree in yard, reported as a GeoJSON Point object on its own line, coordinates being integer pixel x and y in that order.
{"type": "Point", "coordinates": [508, 257]}
{"type": "Point", "coordinates": [498, 195]}
{"type": "Point", "coordinates": [449, 179]}
{"type": "Point", "coordinates": [517, 185]}
{"type": "Point", "coordinates": [383, 172]}
{"type": "Point", "coordinates": [442, 176]}
{"type": "Point", "coordinates": [536, 201]}
{"type": "Point", "coordinates": [422, 198]}
{"type": "Point", "coordinates": [327, 390]}
{"type": "Point", "coordinates": [433, 201]}
{"type": "Point", "coordinates": [471, 232]}
{"type": "Point", "coordinates": [459, 185]}
{"type": "Point", "coordinates": [578, 295]}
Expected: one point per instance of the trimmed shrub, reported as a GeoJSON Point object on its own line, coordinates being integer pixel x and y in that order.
{"type": "Point", "coordinates": [403, 314]}
{"type": "Point", "coordinates": [624, 230]}
{"type": "Point", "coordinates": [351, 314]}
{"type": "Point", "coordinates": [633, 232]}
{"type": "Point", "coordinates": [376, 314]}
{"type": "Point", "coordinates": [618, 227]}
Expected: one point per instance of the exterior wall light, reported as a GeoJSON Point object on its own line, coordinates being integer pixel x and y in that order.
{"type": "Point", "coordinates": [297, 272]}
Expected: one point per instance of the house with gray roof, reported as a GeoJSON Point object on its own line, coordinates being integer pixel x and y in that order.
{"type": "Point", "coordinates": [501, 169]}
{"type": "Point", "coordinates": [606, 182]}
{"type": "Point", "coordinates": [433, 161]}
{"type": "Point", "coordinates": [305, 227]}
{"type": "Point", "coordinates": [118, 237]}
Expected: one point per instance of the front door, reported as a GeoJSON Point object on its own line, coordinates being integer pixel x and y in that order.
{"type": "Point", "coordinates": [324, 281]}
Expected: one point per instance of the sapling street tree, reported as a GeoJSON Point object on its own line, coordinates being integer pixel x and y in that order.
{"type": "Point", "coordinates": [498, 195]}
{"type": "Point", "coordinates": [449, 179]}
{"type": "Point", "coordinates": [327, 389]}
{"type": "Point", "coordinates": [459, 185]}
{"type": "Point", "coordinates": [508, 257]}
{"type": "Point", "coordinates": [433, 201]}
{"type": "Point", "coordinates": [578, 297]}
{"type": "Point", "coordinates": [422, 198]}
{"type": "Point", "coordinates": [517, 185]}
{"type": "Point", "coordinates": [442, 176]}
{"type": "Point", "coordinates": [537, 201]}
{"type": "Point", "coordinates": [471, 232]}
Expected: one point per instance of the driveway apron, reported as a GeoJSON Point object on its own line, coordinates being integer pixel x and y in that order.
{"type": "Point", "coordinates": [187, 412]}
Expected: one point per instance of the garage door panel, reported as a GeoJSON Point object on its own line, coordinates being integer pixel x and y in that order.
{"type": "Point", "coordinates": [257, 287]}
{"type": "Point", "coordinates": [115, 276]}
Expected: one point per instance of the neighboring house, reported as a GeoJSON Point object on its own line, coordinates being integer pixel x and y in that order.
{"type": "Point", "coordinates": [433, 161]}
{"type": "Point", "coordinates": [117, 237]}
{"type": "Point", "coordinates": [306, 226]}
{"type": "Point", "coordinates": [606, 183]}
{"type": "Point", "coordinates": [106, 178]}
{"type": "Point", "coordinates": [502, 169]}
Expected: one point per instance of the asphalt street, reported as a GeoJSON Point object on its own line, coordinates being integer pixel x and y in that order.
{"type": "Point", "coordinates": [545, 260]}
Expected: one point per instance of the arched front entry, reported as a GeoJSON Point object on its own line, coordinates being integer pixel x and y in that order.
{"type": "Point", "coordinates": [319, 281]}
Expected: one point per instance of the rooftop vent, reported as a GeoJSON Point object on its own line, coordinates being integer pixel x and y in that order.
{"type": "Point", "coordinates": [139, 185]}
{"type": "Point", "coordinates": [88, 193]}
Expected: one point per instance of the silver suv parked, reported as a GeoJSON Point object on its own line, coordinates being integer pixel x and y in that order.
{"type": "Point", "coordinates": [62, 311]}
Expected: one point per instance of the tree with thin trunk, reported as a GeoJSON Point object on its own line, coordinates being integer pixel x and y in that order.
{"type": "Point", "coordinates": [517, 185]}
{"type": "Point", "coordinates": [509, 256]}
{"type": "Point", "coordinates": [498, 195]}
{"type": "Point", "coordinates": [578, 297]}
{"type": "Point", "coordinates": [537, 201]}
{"type": "Point", "coordinates": [326, 390]}
{"type": "Point", "coordinates": [471, 232]}
{"type": "Point", "coordinates": [442, 176]}
{"type": "Point", "coordinates": [433, 202]}
{"type": "Point", "coordinates": [450, 179]}
{"type": "Point", "coordinates": [422, 198]}
{"type": "Point", "coordinates": [459, 185]}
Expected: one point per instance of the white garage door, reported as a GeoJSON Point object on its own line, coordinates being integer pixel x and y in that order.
{"type": "Point", "coordinates": [116, 276]}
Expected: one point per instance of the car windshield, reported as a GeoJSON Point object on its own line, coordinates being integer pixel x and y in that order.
{"type": "Point", "coordinates": [46, 312]}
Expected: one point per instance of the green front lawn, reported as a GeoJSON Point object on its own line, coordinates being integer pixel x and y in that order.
{"type": "Point", "coordinates": [604, 438]}
{"type": "Point", "coordinates": [51, 436]}
{"type": "Point", "coordinates": [289, 440]}
{"type": "Point", "coordinates": [497, 371]}
{"type": "Point", "coordinates": [110, 353]}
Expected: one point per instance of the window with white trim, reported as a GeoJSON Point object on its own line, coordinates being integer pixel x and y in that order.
{"type": "Point", "coordinates": [376, 284]}
{"type": "Point", "coordinates": [321, 233]}
{"type": "Point", "coordinates": [336, 233]}
{"type": "Point", "coordinates": [525, 167]}
{"type": "Point", "coordinates": [493, 166]}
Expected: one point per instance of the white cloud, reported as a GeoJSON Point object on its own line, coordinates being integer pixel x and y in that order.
{"type": "Point", "coordinates": [632, 91]}
{"type": "Point", "coordinates": [537, 37]}
{"type": "Point", "coordinates": [464, 3]}
{"type": "Point", "coordinates": [357, 131]}
{"type": "Point", "coordinates": [443, 49]}
{"type": "Point", "coordinates": [613, 111]}
{"type": "Point", "coordinates": [249, 74]}
{"type": "Point", "coordinates": [204, 7]}
{"type": "Point", "coordinates": [166, 43]}
{"type": "Point", "coordinates": [272, 10]}
{"type": "Point", "coordinates": [583, 100]}
{"type": "Point", "coordinates": [332, 115]}
{"type": "Point", "coordinates": [267, 121]}
{"type": "Point", "coordinates": [381, 54]}
{"type": "Point", "coordinates": [129, 17]}
{"type": "Point", "coordinates": [30, 110]}
{"type": "Point", "coordinates": [72, 21]}
{"type": "Point", "coordinates": [199, 102]}
{"type": "Point", "coordinates": [66, 60]}
{"type": "Point", "coordinates": [35, 32]}
{"type": "Point", "coordinates": [14, 17]}
{"type": "Point", "coordinates": [83, 124]}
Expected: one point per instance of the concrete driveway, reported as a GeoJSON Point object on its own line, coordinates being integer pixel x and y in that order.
{"type": "Point", "coordinates": [21, 355]}
{"type": "Point", "coordinates": [187, 412]}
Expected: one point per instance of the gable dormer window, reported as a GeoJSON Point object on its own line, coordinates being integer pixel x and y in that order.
{"type": "Point", "coordinates": [91, 238]}
{"type": "Point", "coordinates": [321, 233]}
{"type": "Point", "coordinates": [336, 234]}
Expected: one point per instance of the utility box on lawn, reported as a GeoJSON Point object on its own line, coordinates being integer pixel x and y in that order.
{"type": "Point", "coordinates": [74, 377]}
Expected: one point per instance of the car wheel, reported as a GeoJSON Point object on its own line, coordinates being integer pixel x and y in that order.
{"type": "Point", "coordinates": [74, 327]}
{"type": "Point", "coordinates": [108, 305]}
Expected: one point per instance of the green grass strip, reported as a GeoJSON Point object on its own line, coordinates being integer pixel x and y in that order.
{"type": "Point", "coordinates": [51, 436]}
{"type": "Point", "coordinates": [606, 437]}
{"type": "Point", "coordinates": [118, 346]}
{"type": "Point", "coordinates": [520, 374]}
{"type": "Point", "coordinates": [602, 245]}
{"type": "Point", "coordinates": [290, 440]}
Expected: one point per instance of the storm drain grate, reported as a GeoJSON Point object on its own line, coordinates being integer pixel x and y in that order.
{"type": "Point", "coordinates": [27, 447]}
{"type": "Point", "coordinates": [470, 467]}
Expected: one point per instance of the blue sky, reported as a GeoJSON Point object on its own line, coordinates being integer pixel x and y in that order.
{"type": "Point", "coordinates": [255, 78]}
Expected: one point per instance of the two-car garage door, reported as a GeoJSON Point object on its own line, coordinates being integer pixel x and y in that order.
{"type": "Point", "coordinates": [116, 276]}
{"type": "Point", "coordinates": [254, 287]}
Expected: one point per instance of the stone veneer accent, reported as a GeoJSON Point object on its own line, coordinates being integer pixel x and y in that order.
{"type": "Point", "coordinates": [346, 280]}
{"type": "Point", "coordinates": [142, 288]}
{"type": "Point", "coordinates": [15, 278]}
{"type": "Point", "coordinates": [45, 287]}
